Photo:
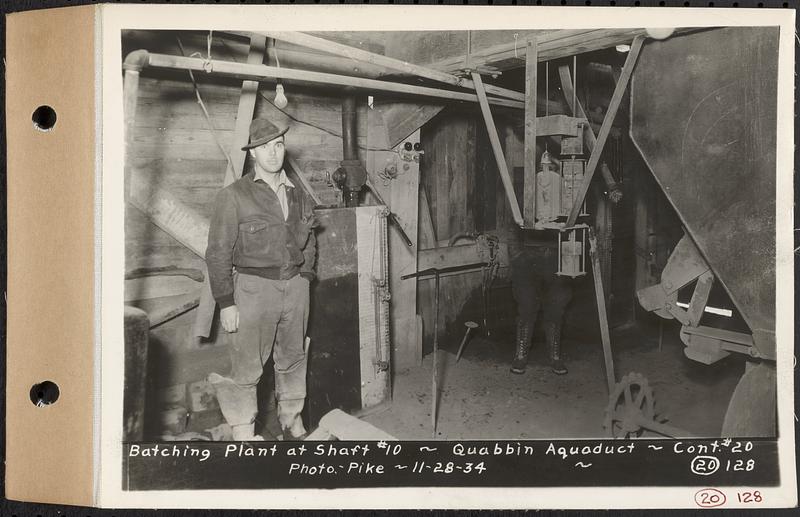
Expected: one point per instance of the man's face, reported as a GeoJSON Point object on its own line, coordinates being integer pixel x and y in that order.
{"type": "Point", "coordinates": [269, 156]}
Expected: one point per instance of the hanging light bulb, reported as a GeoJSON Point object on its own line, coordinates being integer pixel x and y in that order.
{"type": "Point", "coordinates": [660, 32]}
{"type": "Point", "coordinates": [280, 98]}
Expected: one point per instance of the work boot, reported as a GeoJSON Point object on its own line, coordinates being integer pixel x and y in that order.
{"type": "Point", "coordinates": [523, 346]}
{"type": "Point", "coordinates": [290, 419]}
{"type": "Point", "coordinates": [553, 334]}
{"type": "Point", "coordinates": [239, 406]}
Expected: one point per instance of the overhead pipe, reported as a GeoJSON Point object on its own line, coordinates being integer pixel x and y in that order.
{"type": "Point", "coordinates": [351, 175]}
{"type": "Point", "coordinates": [332, 47]}
{"type": "Point", "coordinates": [264, 73]}
{"type": "Point", "coordinates": [349, 137]}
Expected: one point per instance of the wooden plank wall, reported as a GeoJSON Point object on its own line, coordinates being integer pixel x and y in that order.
{"type": "Point", "coordinates": [175, 149]}
{"type": "Point", "coordinates": [463, 188]}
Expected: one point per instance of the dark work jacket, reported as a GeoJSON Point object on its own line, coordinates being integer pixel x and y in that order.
{"type": "Point", "coordinates": [248, 232]}
{"type": "Point", "coordinates": [531, 246]}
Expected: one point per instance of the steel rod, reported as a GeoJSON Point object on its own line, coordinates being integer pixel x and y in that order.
{"type": "Point", "coordinates": [442, 270]}
{"type": "Point", "coordinates": [435, 349]}
{"type": "Point", "coordinates": [391, 218]}
{"type": "Point", "coordinates": [463, 343]}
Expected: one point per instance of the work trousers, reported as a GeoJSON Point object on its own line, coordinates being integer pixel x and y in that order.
{"type": "Point", "coordinates": [535, 285]}
{"type": "Point", "coordinates": [273, 315]}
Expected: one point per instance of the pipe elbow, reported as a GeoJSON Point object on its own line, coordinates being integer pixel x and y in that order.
{"type": "Point", "coordinates": [136, 60]}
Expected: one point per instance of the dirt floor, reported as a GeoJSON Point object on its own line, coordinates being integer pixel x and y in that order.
{"type": "Point", "coordinates": [480, 399]}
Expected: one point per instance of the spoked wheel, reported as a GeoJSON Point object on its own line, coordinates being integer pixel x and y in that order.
{"type": "Point", "coordinates": [629, 406]}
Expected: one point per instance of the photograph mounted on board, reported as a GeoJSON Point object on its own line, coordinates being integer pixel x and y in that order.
{"type": "Point", "coordinates": [491, 235]}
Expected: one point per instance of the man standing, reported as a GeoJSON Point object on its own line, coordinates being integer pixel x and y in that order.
{"type": "Point", "coordinates": [533, 257]}
{"type": "Point", "coordinates": [260, 256]}
{"type": "Point", "coordinates": [535, 285]}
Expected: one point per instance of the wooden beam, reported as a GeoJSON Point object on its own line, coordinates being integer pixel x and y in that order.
{"type": "Point", "coordinates": [529, 182]}
{"type": "Point", "coordinates": [562, 125]}
{"type": "Point", "coordinates": [605, 129]}
{"type": "Point", "coordinates": [427, 233]}
{"type": "Point", "coordinates": [331, 47]}
{"type": "Point", "coordinates": [292, 56]}
{"type": "Point", "coordinates": [149, 287]}
{"type": "Point", "coordinates": [168, 213]}
{"type": "Point", "coordinates": [551, 45]}
{"type": "Point", "coordinates": [159, 313]}
{"type": "Point", "coordinates": [589, 138]}
{"type": "Point", "coordinates": [244, 115]}
{"type": "Point", "coordinates": [131, 96]}
{"type": "Point", "coordinates": [264, 73]}
{"type": "Point", "coordinates": [181, 223]}
{"type": "Point", "coordinates": [605, 334]}
{"type": "Point", "coordinates": [403, 199]}
{"type": "Point", "coordinates": [494, 139]}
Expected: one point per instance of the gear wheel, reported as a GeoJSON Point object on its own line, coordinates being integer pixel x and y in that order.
{"type": "Point", "coordinates": [630, 404]}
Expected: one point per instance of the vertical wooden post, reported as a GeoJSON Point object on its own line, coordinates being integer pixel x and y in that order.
{"type": "Point", "coordinates": [131, 95]}
{"type": "Point", "coordinates": [529, 185]}
{"type": "Point", "coordinates": [403, 200]}
{"type": "Point", "coordinates": [247, 105]}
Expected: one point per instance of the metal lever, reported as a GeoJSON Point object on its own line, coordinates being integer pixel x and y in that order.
{"type": "Point", "coordinates": [391, 217]}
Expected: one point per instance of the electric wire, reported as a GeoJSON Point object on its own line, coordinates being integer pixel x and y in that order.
{"type": "Point", "coordinates": [209, 121]}
{"type": "Point", "coordinates": [546, 95]}
{"type": "Point", "coordinates": [306, 123]}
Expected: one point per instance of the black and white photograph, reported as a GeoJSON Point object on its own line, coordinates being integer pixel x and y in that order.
{"type": "Point", "coordinates": [517, 238]}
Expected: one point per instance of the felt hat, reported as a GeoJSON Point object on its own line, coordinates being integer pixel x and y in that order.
{"type": "Point", "coordinates": [262, 131]}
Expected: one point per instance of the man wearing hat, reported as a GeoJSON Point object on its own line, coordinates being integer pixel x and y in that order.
{"type": "Point", "coordinates": [260, 257]}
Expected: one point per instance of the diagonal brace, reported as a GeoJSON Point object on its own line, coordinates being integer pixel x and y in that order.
{"type": "Point", "coordinates": [605, 128]}
{"type": "Point", "coordinates": [589, 138]}
{"type": "Point", "coordinates": [498, 150]}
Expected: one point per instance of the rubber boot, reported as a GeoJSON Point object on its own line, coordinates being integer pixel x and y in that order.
{"type": "Point", "coordinates": [523, 341]}
{"type": "Point", "coordinates": [238, 405]}
{"type": "Point", "coordinates": [290, 419]}
{"type": "Point", "coordinates": [553, 334]}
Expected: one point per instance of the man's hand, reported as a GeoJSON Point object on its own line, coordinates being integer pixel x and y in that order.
{"type": "Point", "coordinates": [229, 317]}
